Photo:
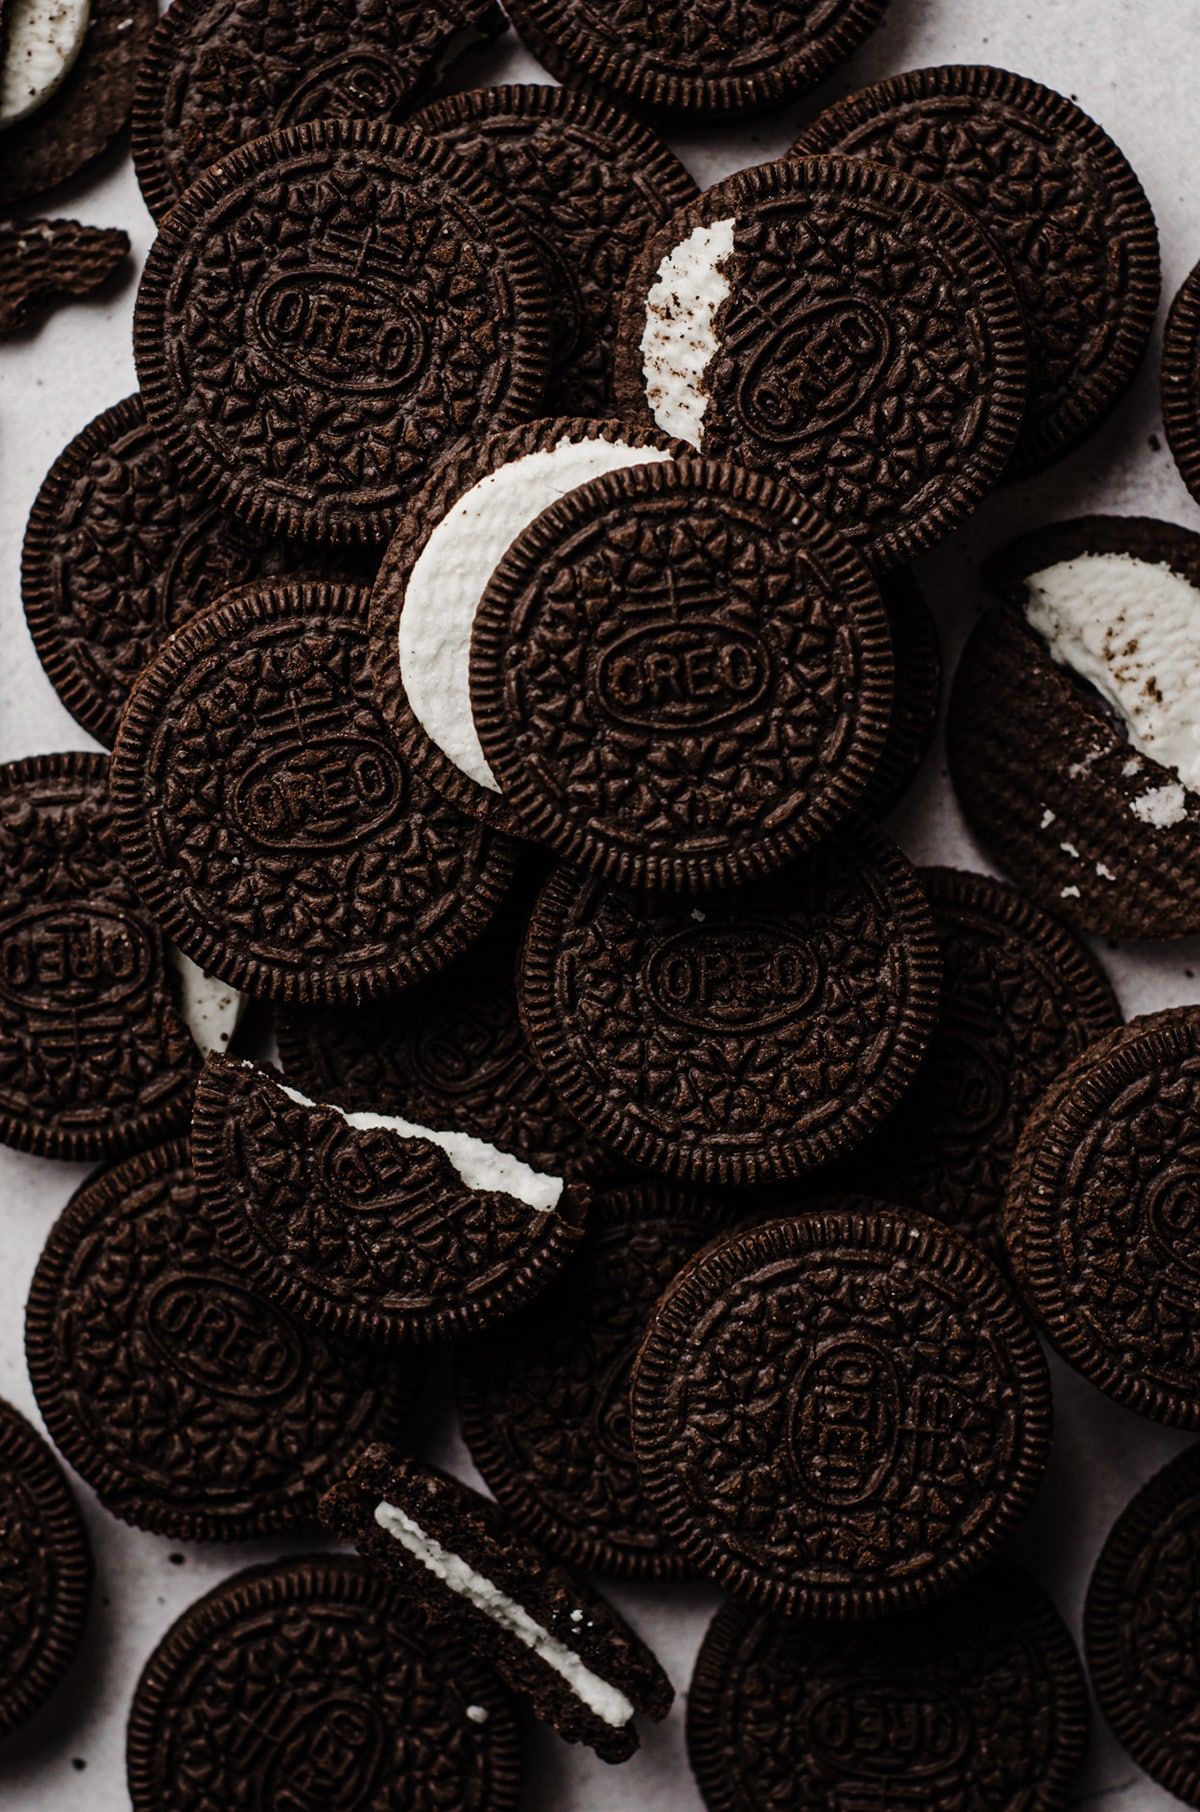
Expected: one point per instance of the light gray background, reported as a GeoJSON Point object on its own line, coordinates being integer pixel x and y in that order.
{"type": "Point", "coordinates": [1135, 65]}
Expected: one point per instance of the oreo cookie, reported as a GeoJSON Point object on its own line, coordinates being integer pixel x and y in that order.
{"type": "Point", "coordinates": [1181, 381]}
{"type": "Point", "coordinates": [326, 313]}
{"type": "Point", "coordinates": [41, 42]}
{"type": "Point", "coordinates": [590, 185]}
{"type": "Point", "coordinates": [368, 1225]}
{"type": "Point", "coordinates": [269, 819]}
{"type": "Point", "coordinates": [1058, 200]}
{"type": "Point", "coordinates": [95, 1057]}
{"type": "Point", "coordinates": [316, 1681]}
{"type": "Point", "coordinates": [977, 1702]}
{"type": "Point", "coordinates": [840, 1414]}
{"type": "Point", "coordinates": [1072, 733]}
{"type": "Point", "coordinates": [681, 676]}
{"type": "Point", "coordinates": [916, 694]}
{"type": "Point", "coordinates": [43, 262]}
{"type": "Point", "coordinates": [549, 1635]}
{"type": "Point", "coordinates": [191, 1405]}
{"type": "Point", "coordinates": [1099, 1218]}
{"type": "Point", "coordinates": [753, 1037]}
{"type": "Point", "coordinates": [730, 59]}
{"type": "Point", "coordinates": [544, 1408]}
{"type": "Point", "coordinates": [846, 328]}
{"type": "Point", "coordinates": [221, 72]}
{"type": "Point", "coordinates": [47, 1572]}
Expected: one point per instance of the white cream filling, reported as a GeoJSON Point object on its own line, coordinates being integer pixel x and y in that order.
{"type": "Point", "coordinates": [453, 1571]}
{"type": "Point", "coordinates": [679, 340]}
{"type": "Point", "coordinates": [41, 41]}
{"type": "Point", "coordinates": [211, 1009]}
{"type": "Point", "coordinates": [452, 572]}
{"type": "Point", "coordinates": [1161, 806]}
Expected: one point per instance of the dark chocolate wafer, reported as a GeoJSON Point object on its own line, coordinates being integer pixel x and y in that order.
{"type": "Point", "coordinates": [916, 693]}
{"type": "Point", "coordinates": [1181, 381]}
{"type": "Point", "coordinates": [44, 262]}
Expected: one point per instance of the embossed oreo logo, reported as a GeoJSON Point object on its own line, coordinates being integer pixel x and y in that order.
{"type": "Point", "coordinates": [478, 1046]}
{"type": "Point", "coordinates": [329, 1758]}
{"type": "Point", "coordinates": [681, 676]}
{"type": "Point", "coordinates": [732, 978]}
{"type": "Point", "coordinates": [844, 1422]}
{"type": "Point", "coordinates": [340, 329]}
{"type": "Point", "coordinates": [819, 369]}
{"type": "Point", "coordinates": [359, 84]}
{"type": "Point", "coordinates": [885, 1727]}
{"type": "Point", "coordinates": [224, 1339]}
{"type": "Point", "coordinates": [322, 795]}
{"type": "Point", "coordinates": [54, 958]}
{"type": "Point", "coordinates": [1171, 1215]}
{"type": "Point", "coordinates": [369, 1172]}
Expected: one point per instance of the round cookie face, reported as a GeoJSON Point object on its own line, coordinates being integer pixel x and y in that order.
{"type": "Point", "coordinates": [590, 185]}
{"type": "Point", "coordinates": [1101, 1216]}
{"type": "Point", "coordinates": [1140, 1627]}
{"type": "Point", "coordinates": [1181, 382]}
{"type": "Point", "coordinates": [1059, 202]}
{"type": "Point", "coordinates": [545, 1410]}
{"type": "Point", "coordinates": [221, 72]}
{"type": "Point", "coordinates": [681, 676]}
{"type": "Point", "coordinates": [269, 818]}
{"type": "Point", "coordinates": [979, 1702]}
{"type": "Point", "coordinates": [734, 59]}
{"type": "Point", "coordinates": [755, 1036]}
{"type": "Point", "coordinates": [318, 1680]}
{"type": "Point", "coordinates": [328, 312]}
{"type": "Point", "coordinates": [841, 326]}
{"type": "Point", "coordinates": [190, 1404]}
{"type": "Point", "coordinates": [96, 1057]}
{"type": "Point", "coordinates": [45, 1572]}
{"type": "Point", "coordinates": [841, 1414]}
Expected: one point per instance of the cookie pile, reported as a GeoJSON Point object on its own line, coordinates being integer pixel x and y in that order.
{"type": "Point", "coordinates": [496, 603]}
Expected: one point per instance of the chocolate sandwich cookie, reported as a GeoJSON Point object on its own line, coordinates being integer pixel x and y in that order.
{"type": "Point", "coordinates": [977, 1702]}
{"type": "Point", "coordinates": [546, 1632]}
{"type": "Point", "coordinates": [840, 1414]}
{"type": "Point", "coordinates": [369, 1225]}
{"type": "Point", "coordinates": [221, 72]}
{"type": "Point", "coordinates": [88, 108]}
{"type": "Point", "coordinates": [95, 1057]}
{"type": "Point", "coordinates": [681, 676]}
{"type": "Point", "coordinates": [314, 1683]}
{"type": "Point", "coordinates": [841, 326]}
{"type": "Point", "coordinates": [40, 42]}
{"type": "Point", "coordinates": [1021, 999]}
{"type": "Point", "coordinates": [45, 1571]}
{"type": "Point", "coordinates": [1181, 381]}
{"type": "Point", "coordinates": [44, 262]}
{"type": "Point", "coordinates": [1101, 1220]}
{"type": "Point", "coordinates": [191, 1405]}
{"type": "Point", "coordinates": [544, 1408]}
{"type": "Point", "coordinates": [755, 1036]}
{"type": "Point", "coordinates": [703, 64]}
{"type": "Point", "coordinates": [1141, 1627]}
{"type": "Point", "coordinates": [325, 314]}
{"type": "Point", "coordinates": [1060, 203]}
{"type": "Point", "coordinates": [436, 571]}
{"type": "Point", "coordinates": [271, 822]}
{"type": "Point", "coordinates": [916, 693]}
{"type": "Point", "coordinates": [1073, 730]}
{"type": "Point", "coordinates": [590, 185]}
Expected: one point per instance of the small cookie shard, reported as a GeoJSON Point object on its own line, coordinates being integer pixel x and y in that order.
{"type": "Point", "coordinates": [39, 42]}
{"type": "Point", "coordinates": [549, 1635]}
{"type": "Point", "coordinates": [369, 1225]}
{"type": "Point", "coordinates": [45, 261]}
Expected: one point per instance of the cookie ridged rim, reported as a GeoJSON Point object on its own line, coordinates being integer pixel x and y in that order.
{"type": "Point", "coordinates": [875, 1226]}
{"type": "Point", "coordinates": [940, 220]}
{"type": "Point", "coordinates": [576, 59]}
{"type": "Point", "coordinates": [24, 1448]}
{"type": "Point", "coordinates": [217, 952]}
{"type": "Point", "coordinates": [696, 1162]}
{"type": "Point", "coordinates": [1179, 390]}
{"type": "Point", "coordinates": [283, 1584]}
{"type": "Point", "coordinates": [1083, 407]}
{"type": "Point", "coordinates": [324, 522]}
{"type": "Point", "coordinates": [852, 595]}
{"type": "Point", "coordinates": [916, 702]}
{"type": "Point", "coordinates": [352, 1319]}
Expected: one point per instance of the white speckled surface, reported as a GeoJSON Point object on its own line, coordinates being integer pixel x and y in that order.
{"type": "Point", "coordinates": [1134, 64]}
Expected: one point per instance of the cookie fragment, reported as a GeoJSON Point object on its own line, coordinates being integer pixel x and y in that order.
{"type": "Point", "coordinates": [43, 261]}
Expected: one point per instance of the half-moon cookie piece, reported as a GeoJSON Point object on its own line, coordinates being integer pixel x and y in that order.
{"type": "Point", "coordinates": [1073, 733]}
{"type": "Point", "coordinates": [1181, 381]}
{"type": "Point", "coordinates": [45, 262]}
{"type": "Point", "coordinates": [369, 1225]}
{"type": "Point", "coordinates": [1103, 1215]}
{"type": "Point", "coordinates": [842, 1413]}
{"type": "Point", "coordinates": [681, 676]}
{"type": "Point", "coordinates": [845, 328]}
{"type": "Point", "coordinates": [754, 1036]}
{"type": "Point", "coordinates": [326, 313]}
{"type": "Point", "coordinates": [1060, 203]}
{"type": "Point", "coordinates": [979, 1701]}
{"type": "Point", "coordinates": [545, 1631]}
{"type": "Point", "coordinates": [269, 818]}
